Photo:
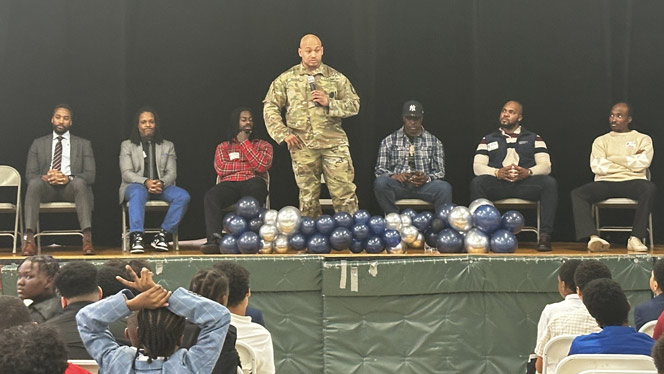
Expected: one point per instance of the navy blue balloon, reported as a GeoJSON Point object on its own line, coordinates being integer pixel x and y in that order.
{"type": "Point", "coordinates": [391, 238]}
{"type": "Point", "coordinates": [227, 219]}
{"type": "Point", "coordinates": [237, 225]}
{"type": "Point", "coordinates": [340, 238]}
{"type": "Point", "coordinates": [298, 241]}
{"type": "Point", "coordinates": [255, 224]}
{"type": "Point", "coordinates": [422, 221]}
{"type": "Point", "coordinates": [375, 244]}
{"type": "Point", "coordinates": [248, 242]}
{"type": "Point", "coordinates": [319, 244]}
{"type": "Point", "coordinates": [503, 241]}
{"type": "Point", "coordinates": [360, 231]}
{"type": "Point", "coordinates": [486, 218]}
{"type": "Point", "coordinates": [431, 238]}
{"type": "Point", "coordinates": [356, 246]}
{"type": "Point", "coordinates": [228, 245]}
{"type": "Point", "coordinates": [437, 224]}
{"type": "Point", "coordinates": [377, 225]}
{"type": "Point", "coordinates": [325, 224]}
{"type": "Point", "coordinates": [512, 221]}
{"type": "Point", "coordinates": [449, 241]}
{"type": "Point", "coordinates": [361, 217]}
{"type": "Point", "coordinates": [343, 219]}
{"type": "Point", "coordinates": [444, 211]}
{"type": "Point", "coordinates": [307, 226]}
{"type": "Point", "coordinates": [410, 212]}
{"type": "Point", "coordinates": [247, 207]}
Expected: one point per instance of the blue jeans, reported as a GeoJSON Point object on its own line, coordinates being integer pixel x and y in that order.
{"type": "Point", "coordinates": [137, 195]}
{"type": "Point", "coordinates": [388, 190]}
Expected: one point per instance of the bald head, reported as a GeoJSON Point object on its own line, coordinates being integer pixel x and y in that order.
{"type": "Point", "coordinates": [311, 52]}
{"type": "Point", "coordinates": [511, 115]}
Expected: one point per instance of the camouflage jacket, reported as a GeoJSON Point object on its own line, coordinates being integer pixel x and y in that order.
{"type": "Point", "coordinates": [317, 126]}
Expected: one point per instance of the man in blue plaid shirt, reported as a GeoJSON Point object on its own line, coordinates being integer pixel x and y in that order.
{"type": "Point", "coordinates": [411, 164]}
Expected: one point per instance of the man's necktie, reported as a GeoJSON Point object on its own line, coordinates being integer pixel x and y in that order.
{"type": "Point", "coordinates": [57, 155]}
{"type": "Point", "coordinates": [151, 160]}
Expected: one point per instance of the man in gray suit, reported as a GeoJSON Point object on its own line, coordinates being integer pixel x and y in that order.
{"type": "Point", "coordinates": [148, 168]}
{"type": "Point", "coordinates": [60, 167]}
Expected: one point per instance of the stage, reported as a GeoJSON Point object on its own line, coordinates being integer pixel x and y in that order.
{"type": "Point", "coordinates": [410, 313]}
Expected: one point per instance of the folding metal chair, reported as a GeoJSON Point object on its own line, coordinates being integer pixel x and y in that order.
{"type": "Point", "coordinates": [10, 177]}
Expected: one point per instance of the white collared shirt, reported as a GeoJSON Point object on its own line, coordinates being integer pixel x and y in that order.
{"type": "Point", "coordinates": [65, 166]}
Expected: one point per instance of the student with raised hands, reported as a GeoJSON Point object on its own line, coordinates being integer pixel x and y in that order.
{"type": "Point", "coordinates": [161, 318]}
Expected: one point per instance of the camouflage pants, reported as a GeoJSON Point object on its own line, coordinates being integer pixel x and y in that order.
{"type": "Point", "coordinates": [337, 167]}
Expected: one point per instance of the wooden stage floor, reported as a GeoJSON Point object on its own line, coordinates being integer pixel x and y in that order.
{"type": "Point", "coordinates": [560, 249]}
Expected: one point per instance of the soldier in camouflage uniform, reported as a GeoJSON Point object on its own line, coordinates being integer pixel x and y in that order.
{"type": "Point", "coordinates": [312, 131]}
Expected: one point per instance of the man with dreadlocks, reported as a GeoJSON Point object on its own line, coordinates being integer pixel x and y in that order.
{"type": "Point", "coordinates": [241, 162]}
{"type": "Point", "coordinates": [161, 320]}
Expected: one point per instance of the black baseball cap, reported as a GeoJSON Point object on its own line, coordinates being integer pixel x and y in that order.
{"type": "Point", "coordinates": [412, 108]}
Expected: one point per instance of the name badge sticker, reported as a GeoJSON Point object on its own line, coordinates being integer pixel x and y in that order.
{"type": "Point", "coordinates": [492, 146]}
{"type": "Point", "coordinates": [234, 155]}
{"type": "Point", "coordinates": [631, 144]}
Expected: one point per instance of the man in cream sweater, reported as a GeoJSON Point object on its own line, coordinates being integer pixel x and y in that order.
{"type": "Point", "coordinates": [620, 161]}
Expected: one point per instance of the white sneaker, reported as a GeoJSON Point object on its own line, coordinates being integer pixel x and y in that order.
{"type": "Point", "coordinates": [634, 244]}
{"type": "Point", "coordinates": [597, 244]}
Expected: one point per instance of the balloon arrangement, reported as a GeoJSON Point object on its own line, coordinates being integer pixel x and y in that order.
{"type": "Point", "coordinates": [477, 228]}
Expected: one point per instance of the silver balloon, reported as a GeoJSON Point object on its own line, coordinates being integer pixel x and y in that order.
{"type": "Point", "coordinates": [418, 243]}
{"type": "Point", "coordinates": [460, 218]}
{"type": "Point", "coordinates": [476, 241]}
{"type": "Point", "coordinates": [393, 221]}
{"type": "Point", "coordinates": [288, 220]}
{"type": "Point", "coordinates": [405, 220]}
{"type": "Point", "coordinates": [478, 203]}
{"type": "Point", "coordinates": [281, 244]}
{"type": "Point", "coordinates": [409, 234]}
{"type": "Point", "coordinates": [270, 217]}
{"type": "Point", "coordinates": [268, 232]}
{"type": "Point", "coordinates": [397, 249]}
{"type": "Point", "coordinates": [266, 247]}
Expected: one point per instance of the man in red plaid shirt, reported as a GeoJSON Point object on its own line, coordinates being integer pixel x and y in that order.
{"type": "Point", "coordinates": [241, 163]}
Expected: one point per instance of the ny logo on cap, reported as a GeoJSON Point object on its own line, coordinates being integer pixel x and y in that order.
{"type": "Point", "coordinates": [412, 108]}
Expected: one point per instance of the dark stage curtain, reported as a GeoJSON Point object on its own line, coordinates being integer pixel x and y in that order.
{"type": "Point", "coordinates": [566, 61]}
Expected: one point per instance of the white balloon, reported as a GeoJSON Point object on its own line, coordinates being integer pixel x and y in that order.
{"type": "Point", "coordinates": [405, 220]}
{"type": "Point", "coordinates": [419, 241]}
{"type": "Point", "coordinates": [460, 218]}
{"type": "Point", "coordinates": [393, 221]}
{"type": "Point", "coordinates": [476, 241]}
{"type": "Point", "coordinates": [268, 233]}
{"type": "Point", "coordinates": [288, 220]}
{"type": "Point", "coordinates": [266, 247]}
{"type": "Point", "coordinates": [478, 203]}
{"type": "Point", "coordinates": [281, 244]}
{"type": "Point", "coordinates": [409, 234]}
{"type": "Point", "coordinates": [270, 217]}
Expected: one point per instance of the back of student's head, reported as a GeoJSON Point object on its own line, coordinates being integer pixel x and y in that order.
{"type": "Point", "coordinates": [588, 271]}
{"type": "Point", "coordinates": [138, 264]}
{"type": "Point", "coordinates": [32, 349]}
{"type": "Point", "coordinates": [14, 312]}
{"type": "Point", "coordinates": [566, 273]}
{"type": "Point", "coordinates": [107, 282]}
{"type": "Point", "coordinates": [238, 281]}
{"type": "Point", "coordinates": [606, 302]}
{"type": "Point", "coordinates": [210, 283]}
{"type": "Point", "coordinates": [76, 278]}
{"type": "Point", "coordinates": [658, 272]}
{"type": "Point", "coordinates": [658, 355]}
{"type": "Point", "coordinates": [159, 332]}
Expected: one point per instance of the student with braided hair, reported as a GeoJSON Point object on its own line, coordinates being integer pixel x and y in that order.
{"type": "Point", "coordinates": [213, 284]}
{"type": "Point", "coordinates": [160, 319]}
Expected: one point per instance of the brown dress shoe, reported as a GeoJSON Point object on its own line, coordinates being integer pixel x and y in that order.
{"type": "Point", "coordinates": [88, 249]}
{"type": "Point", "coordinates": [29, 248]}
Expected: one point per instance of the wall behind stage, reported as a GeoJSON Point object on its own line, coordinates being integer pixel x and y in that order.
{"type": "Point", "coordinates": [566, 61]}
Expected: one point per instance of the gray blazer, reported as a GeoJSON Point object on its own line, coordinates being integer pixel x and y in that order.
{"type": "Point", "coordinates": [132, 163]}
{"type": "Point", "coordinates": [81, 157]}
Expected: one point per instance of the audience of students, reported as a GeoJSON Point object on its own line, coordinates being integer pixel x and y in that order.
{"type": "Point", "coordinates": [651, 309]}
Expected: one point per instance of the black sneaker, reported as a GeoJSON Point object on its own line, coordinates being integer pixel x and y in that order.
{"type": "Point", "coordinates": [136, 243]}
{"type": "Point", "coordinates": [159, 242]}
{"type": "Point", "coordinates": [212, 245]}
{"type": "Point", "coordinates": [544, 244]}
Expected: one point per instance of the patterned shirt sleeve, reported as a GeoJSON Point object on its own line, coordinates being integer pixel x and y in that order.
{"type": "Point", "coordinates": [347, 102]}
{"type": "Point", "coordinates": [383, 165]}
{"type": "Point", "coordinates": [275, 100]}
{"type": "Point", "coordinates": [437, 169]}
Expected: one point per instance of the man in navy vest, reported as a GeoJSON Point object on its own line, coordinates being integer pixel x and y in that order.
{"type": "Point", "coordinates": [513, 162]}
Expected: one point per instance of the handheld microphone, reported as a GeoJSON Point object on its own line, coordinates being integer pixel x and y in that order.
{"type": "Point", "coordinates": [312, 86]}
